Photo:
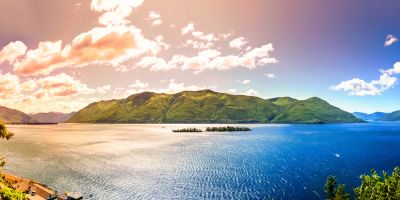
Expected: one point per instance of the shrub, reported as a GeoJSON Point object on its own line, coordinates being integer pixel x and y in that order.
{"type": "Point", "coordinates": [10, 194]}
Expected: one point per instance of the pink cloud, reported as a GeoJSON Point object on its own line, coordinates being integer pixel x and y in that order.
{"type": "Point", "coordinates": [98, 46]}
{"type": "Point", "coordinates": [9, 86]}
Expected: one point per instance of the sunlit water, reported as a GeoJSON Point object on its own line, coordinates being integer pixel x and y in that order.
{"type": "Point", "coordinates": [151, 162]}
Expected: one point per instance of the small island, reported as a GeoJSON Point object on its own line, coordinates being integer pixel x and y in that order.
{"type": "Point", "coordinates": [186, 130]}
{"type": "Point", "coordinates": [213, 129]}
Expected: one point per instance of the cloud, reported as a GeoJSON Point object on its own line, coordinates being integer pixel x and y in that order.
{"type": "Point", "coordinates": [103, 89]}
{"type": "Point", "coordinates": [270, 75]}
{"type": "Point", "coordinates": [139, 84]}
{"type": "Point", "coordinates": [237, 43]}
{"type": "Point", "coordinates": [250, 92]}
{"type": "Point", "coordinates": [394, 70]}
{"type": "Point", "coordinates": [232, 90]}
{"type": "Point", "coordinates": [225, 36]}
{"type": "Point", "coordinates": [359, 87]}
{"type": "Point", "coordinates": [60, 85]}
{"type": "Point", "coordinates": [174, 87]}
{"type": "Point", "coordinates": [187, 29]}
{"type": "Point", "coordinates": [211, 59]}
{"type": "Point", "coordinates": [390, 39]}
{"type": "Point", "coordinates": [155, 18]}
{"type": "Point", "coordinates": [101, 45]}
{"type": "Point", "coordinates": [115, 12]}
{"type": "Point", "coordinates": [246, 82]}
{"type": "Point", "coordinates": [9, 86]}
{"type": "Point", "coordinates": [113, 44]}
{"type": "Point", "coordinates": [199, 39]}
{"type": "Point", "coordinates": [12, 51]}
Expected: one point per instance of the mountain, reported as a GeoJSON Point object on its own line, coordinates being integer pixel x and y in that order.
{"type": "Point", "coordinates": [206, 106]}
{"type": "Point", "coordinates": [51, 117]}
{"type": "Point", "coordinates": [313, 110]}
{"type": "Point", "coordinates": [12, 116]}
{"type": "Point", "coordinates": [369, 117]}
{"type": "Point", "coordinates": [394, 116]}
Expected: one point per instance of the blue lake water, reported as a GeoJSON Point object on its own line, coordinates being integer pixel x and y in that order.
{"type": "Point", "coordinates": [150, 162]}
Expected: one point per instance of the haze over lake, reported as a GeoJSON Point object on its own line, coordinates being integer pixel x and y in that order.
{"type": "Point", "coordinates": [150, 162]}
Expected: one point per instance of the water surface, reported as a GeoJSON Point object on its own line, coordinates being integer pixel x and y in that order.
{"type": "Point", "coordinates": [151, 162]}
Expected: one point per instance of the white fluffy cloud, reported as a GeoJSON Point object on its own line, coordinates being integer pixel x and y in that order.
{"type": "Point", "coordinates": [199, 39]}
{"type": "Point", "coordinates": [115, 12]}
{"type": "Point", "coordinates": [172, 87]}
{"type": "Point", "coordinates": [238, 43]}
{"type": "Point", "coordinates": [246, 82]}
{"type": "Point", "coordinates": [211, 60]}
{"type": "Point", "coordinates": [270, 75]}
{"type": "Point", "coordinates": [139, 84]}
{"type": "Point", "coordinates": [155, 18]}
{"type": "Point", "coordinates": [232, 90]}
{"type": "Point", "coordinates": [359, 87]}
{"type": "Point", "coordinates": [12, 51]}
{"type": "Point", "coordinates": [251, 92]}
{"type": "Point", "coordinates": [394, 70]}
{"type": "Point", "coordinates": [390, 39]}
{"type": "Point", "coordinates": [187, 29]}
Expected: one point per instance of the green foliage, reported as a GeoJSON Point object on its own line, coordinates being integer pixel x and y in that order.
{"type": "Point", "coordinates": [10, 194]}
{"type": "Point", "coordinates": [207, 106]}
{"type": "Point", "coordinates": [341, 194]}
{"type": "Point", "coordinates": [330, 187]}
{"type": "Point", "coordinates": [394, 116]}
{"type": "Point", "coordinates": [4, 132]}
{"type": "Point", "coordinates": [374, 186]}
{"type": "Point", "coordinates": [381, 188]}
{"type": "Point", "coordinates": [334, 192]}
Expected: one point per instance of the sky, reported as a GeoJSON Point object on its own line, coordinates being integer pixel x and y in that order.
{"type": "Point", "coordinates": [62, 55]}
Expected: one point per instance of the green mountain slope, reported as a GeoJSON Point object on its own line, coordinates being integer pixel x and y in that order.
{"type": "Point", "coordinates": [12, 116]}
{"type": "Point", "coordinates": [394, 116]}
{"type": "Point", "coordinates": [207, 106]}
{"type": "Point", "coordinates": [313, 110]}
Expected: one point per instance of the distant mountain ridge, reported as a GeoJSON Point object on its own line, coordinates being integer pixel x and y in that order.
{"type": "Point", "coordinates": [207, 106]}
{"type": "Point", "coordinates": [376, 116]}
{"type": "Point", "coordinates": [394, 116]}
{"type": "Point", "coordinates": [13, 116]}
{"type": "Point", "coordinates": [51, 117]}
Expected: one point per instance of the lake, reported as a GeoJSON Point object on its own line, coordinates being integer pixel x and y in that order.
{"type": "Point", "coordinates": [150, 162]}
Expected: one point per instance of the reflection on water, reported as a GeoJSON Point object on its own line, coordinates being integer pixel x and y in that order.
{"type": "Point", "coordinates": [151, 162]}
